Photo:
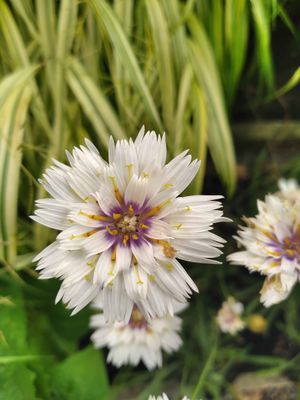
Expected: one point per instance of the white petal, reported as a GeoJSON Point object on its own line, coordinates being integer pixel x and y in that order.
{"type": "Point", "coordinates": [97, 243]}
{"type": "Point", "coordinates": [104, 270]}
{"type": "Point", "coordinates": [136, 191]}
{"type": "Point", "coordinates": [144, 255]}
{"type": "Point", "coordinates": [136, 283]}
{"type": "Point", "coordinates": [106, 199]}
{"type": "Point", "coordinates": [117, 306]}
{"type": "Point", "coordinates": [159, 229]}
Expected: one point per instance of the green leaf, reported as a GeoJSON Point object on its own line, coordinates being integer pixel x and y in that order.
{"type": "Point", "coordinates": [93, 102]}
{"type": "Point", "coordinates": [182, 101]}
{"type": "Point", "coordinates": [219, 134]}
{"type": "Point", "coordinates": [19, 359]}
{"type": "Point", "coordinates": [107, 17]}
{"type": "Point", "coordinates": [16, 380]}
{"type": "Point", "coordinates": [66, 27]}
{"type": "Point", "coordinates": [161, 39]}
{"type": "Point", "coordinates": [12, 116]}
{"type": "Point", "coordinates": [18, 56]}
{"type": "Point", "coordinates": [236, 27]}
{"type": "Point", "coordinates": [289, 85]}
{"type": "Point", "coordinates": [263, 40]}
{"type": "Point", "coordinates": [15, 81]}
{"type": "Point", "coordinates": [174, 17]}
{"type": "Point", "coordinates": [82, 376]}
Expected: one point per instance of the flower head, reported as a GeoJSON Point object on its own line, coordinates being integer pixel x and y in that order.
{"type": "Point", "coordinates": [163, 397]}
{"type": "Point", "coordinates": [138, 340]}
{"type": "Point", "coordinates": [229, 316]}
{"type": "Point", "coordinates": [256, 323]}
{"type": "Point", "coordinates": [289, 190]}
{"type": "Point", "coordinates": [123, 227]}
{"type": "Point", "coordinates": [272, 242]}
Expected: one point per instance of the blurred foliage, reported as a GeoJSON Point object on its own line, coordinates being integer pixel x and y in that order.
{"type": "Point", "coordinates": [71, 69]}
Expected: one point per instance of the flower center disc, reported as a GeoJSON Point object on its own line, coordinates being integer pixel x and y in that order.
{"type": "Point", "coordinates": [127, 224]}
{"type": "Point", "coordinates": [137, 320]}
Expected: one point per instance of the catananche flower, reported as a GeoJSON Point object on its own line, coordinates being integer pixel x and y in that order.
{"type": "Point", "coordinates": [289, 190]}
{"type": "Point", "coordinates": [138, 340]}
{"type": "Point", "coordinates": [164, 397]}
{"type": "Point", "coordinates": [229, 316]}
{"type": "Point", "coordinates": [272, 242]}
{"type": "Point", "coordinates": [123, 227]}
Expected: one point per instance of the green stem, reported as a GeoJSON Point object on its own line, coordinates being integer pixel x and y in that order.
{"type": "Point", "coordinates": [203, 374]}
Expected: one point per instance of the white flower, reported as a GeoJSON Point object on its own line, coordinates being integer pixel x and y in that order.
{"type": "Point", "coordinates": [138, 340]}
{"type": "Point", "coordinates": [123, 227]}
{"type": "Point", "coordinates": [229, 316]}
{"type": "Point", "coordinates": [272, 242]}
{"type": "Point", "coordinates": [289, 190]}
{"type": "Point", "coordinates": [164, 397]}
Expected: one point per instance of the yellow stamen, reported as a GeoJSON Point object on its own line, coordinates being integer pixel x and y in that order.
{"type": "Point", "coordinates": [130, 210]}
{"type": "Point", "coordinates": [87, 277]}
{"type": "Point", "coordinates": [170, 267]}
{"type": "Point", "coordinates": [151, 278]}
{"type": "Point", "coordinates": [90, 233]}
{"type": "Point", "coordinates": [117, 216]}
{"type": "Point", "coordinates": [290, 252]}
{"type": "Point", "coordinates": [125, 240]}
{"type": "Point", "coordinates": [93, 261]}
{"type": "Point", "coordinates": [135, 236]}
{"type": "Point", "coordinates": [145, 174]}
{"type": "Point", "coordinates": [139, 281]}
{"type": "Point", "coordinates": [274, 264]}
{"type": "Point", "coordinates": [143, 226]}
{"type": "Point", "coordinates": [116, 190]}
{"type": "Point", "coordinates": [266, 233]}
{"type": "Point", "coordinates": [168, 185]}
{"type": "Point", "coordinates": [85, 234]}
{"type": "Point", "coordinates": [168, 249]}
{"type": "Point", "coordinates": [134, 260]}
{"type": "Point", "coordinates": [95, 217]}
{"type": "Point", "coordinates": [111, 271]}
{"type": "Point", "coordinates": [156, 209]}
{"type": "Point", "coordinates": [113, 254]}
{"type": "Point", "coordinates": [187, 208]}
{"type": "Point", "coordinates": [112, 232]}
{"type": "Point", "coordinates": [274, 253]}
{"type": "Point", "coordinates": [178, 226]}
{"type": "Point", "coordinates": [129, 167]}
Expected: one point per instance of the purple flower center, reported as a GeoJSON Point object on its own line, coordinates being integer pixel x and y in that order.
{"type": "Point", "coordinates": [128, 224]}
{"type": "Point", "coordinates": [137, 320]}
{"type": "Point", "coordinates": [289, 247]}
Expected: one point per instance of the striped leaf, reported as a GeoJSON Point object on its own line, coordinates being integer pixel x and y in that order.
{"type": "Point", "coordinates": [94, 103]}
{"type": "Point", "coordinates": [219, 134]}
{"type": "Point", "coordinates": [12, 116]}
{"type": "Point", "coordinates": [261, 18]}
{"type": "Point", "coordinates": [161, 39]}
{"type": "Point", "coordinates": [107, 18]}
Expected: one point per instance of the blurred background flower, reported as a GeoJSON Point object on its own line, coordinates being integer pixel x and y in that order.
{"type": "Point", "coordinates": [139, 340]}
{"type": "Point", "coordinates": [272, 242]}
{"type": "Point", "coordinates": [229, 317]}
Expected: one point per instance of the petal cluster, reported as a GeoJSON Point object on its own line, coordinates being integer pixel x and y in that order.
{"type": "Point", "coordinates": [229, 316]}
{"type": "Point", "coordinates": [272, 242]}
{"type": "Point", "coordinates": [138, 340]}
{"type": "Point", "coordinates": [124, 226]}
{"type": "Point", "coordinates": [164, 397]}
